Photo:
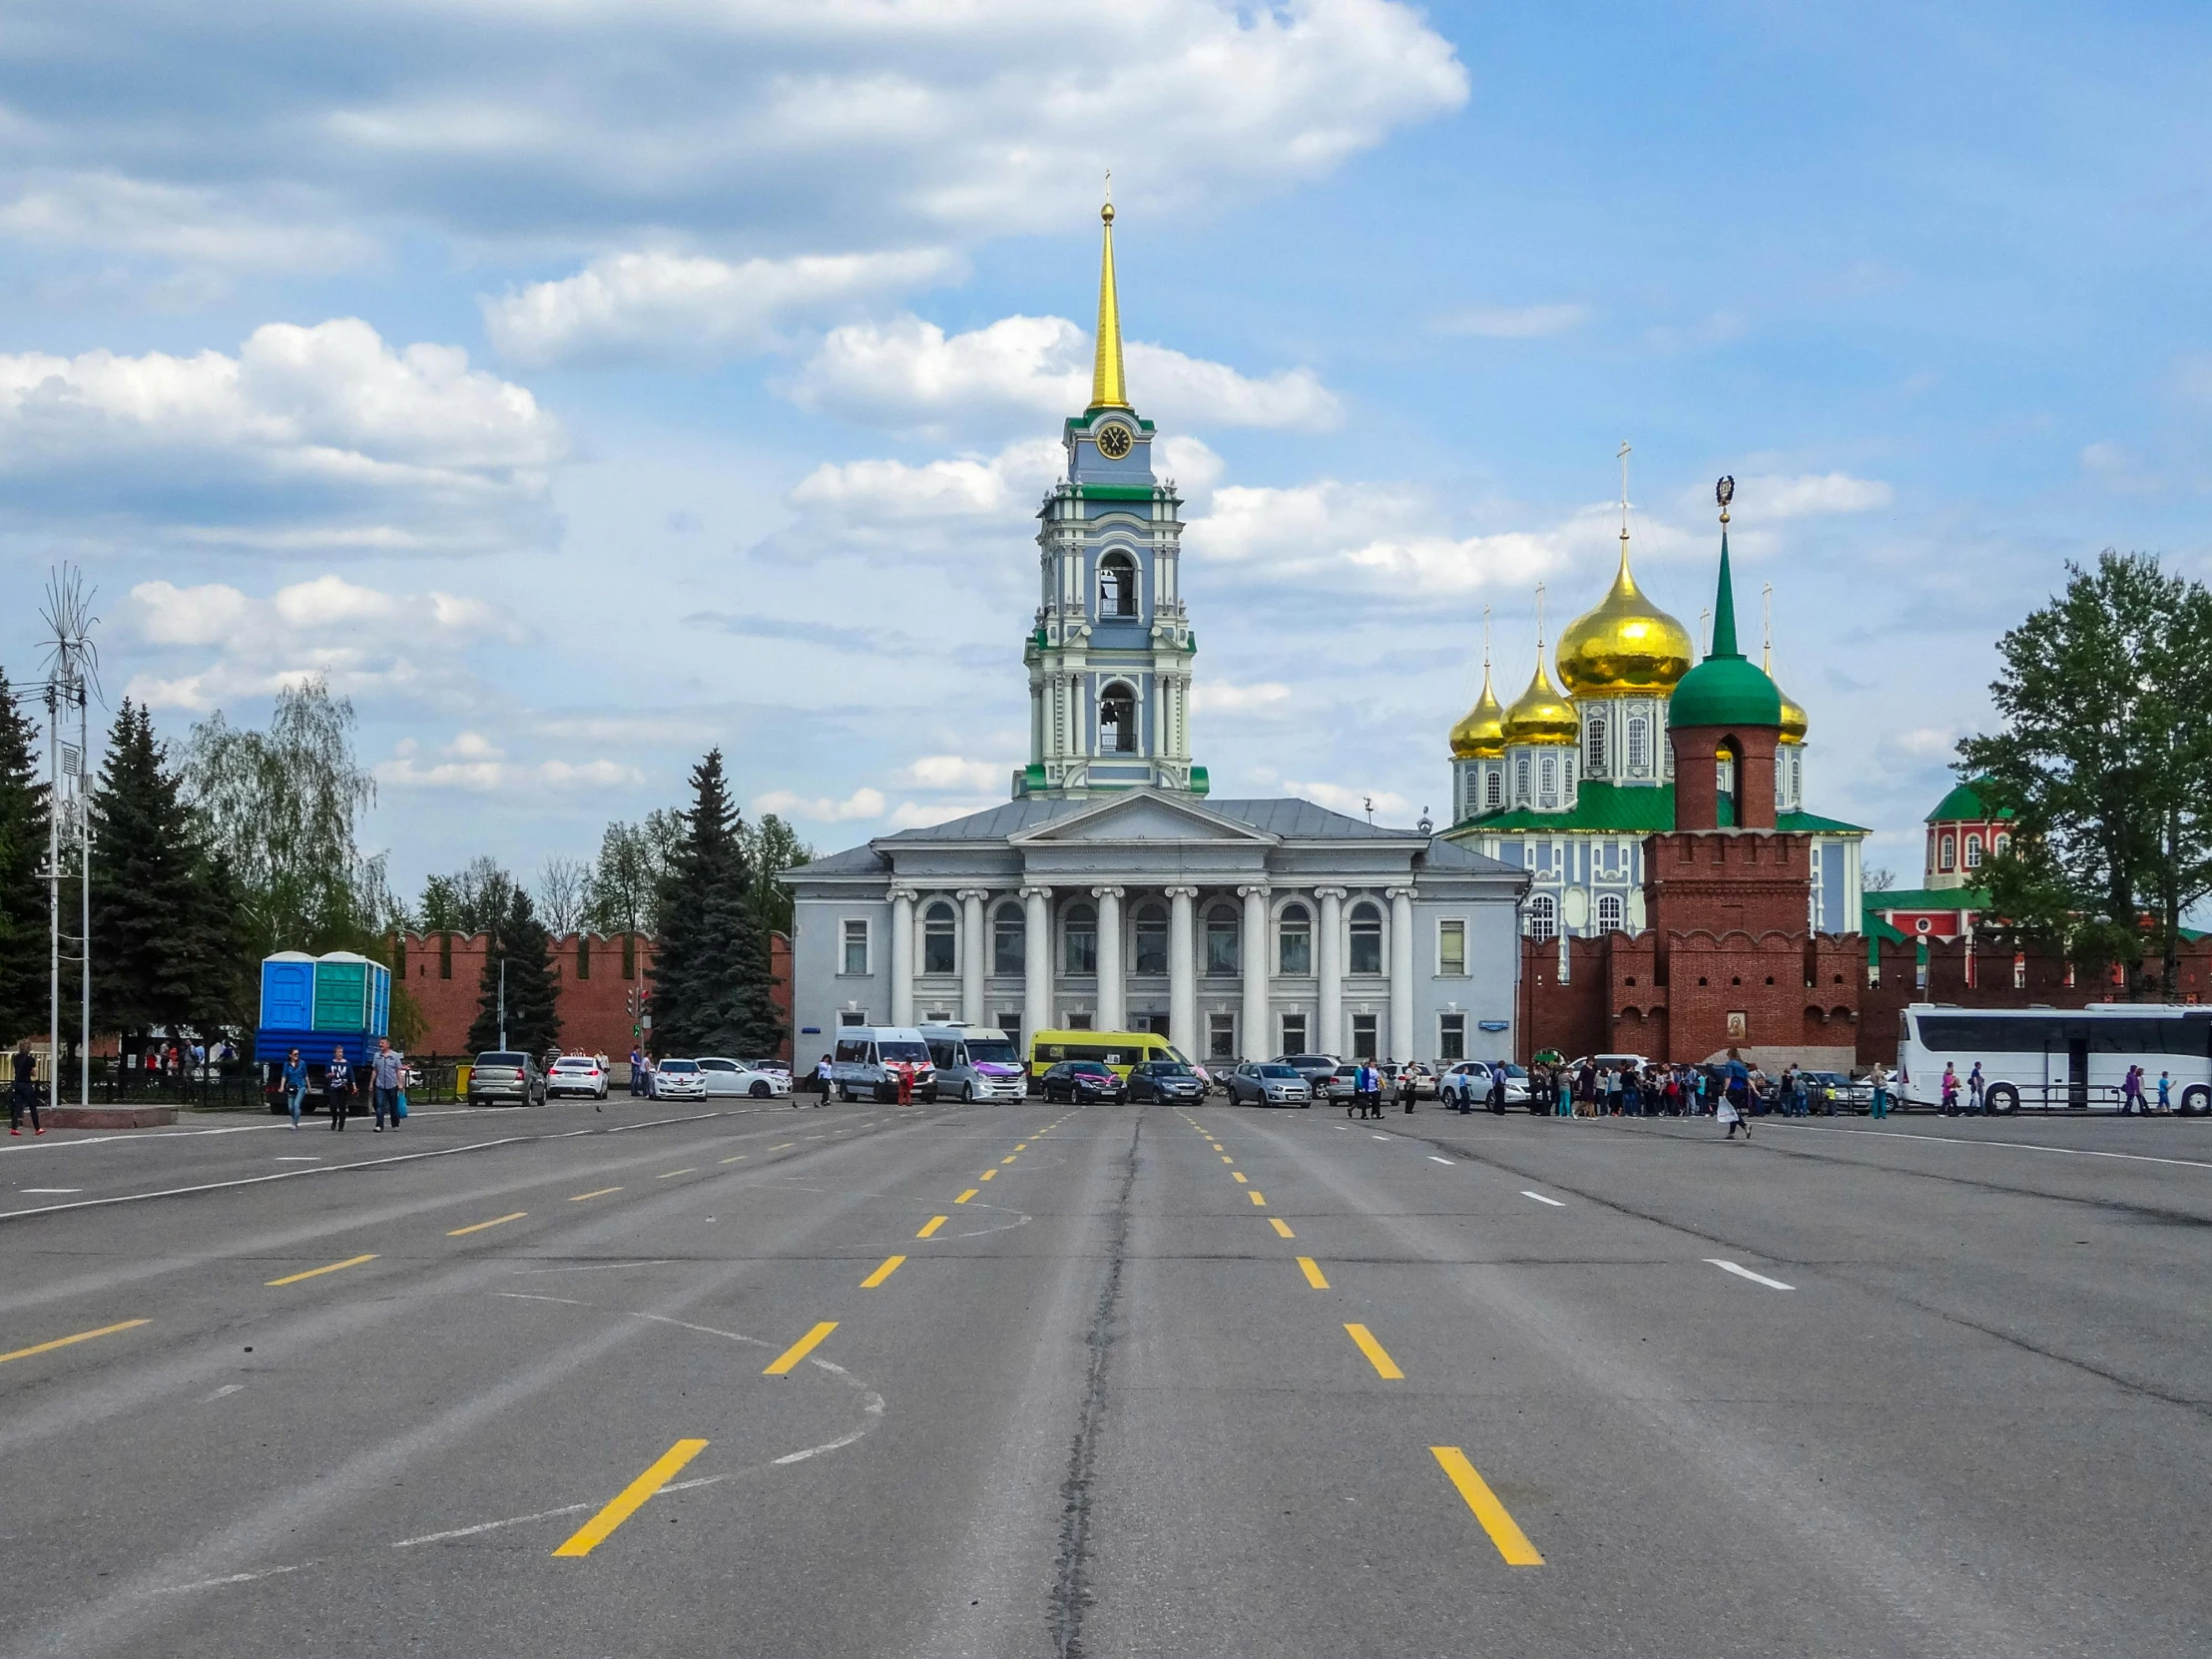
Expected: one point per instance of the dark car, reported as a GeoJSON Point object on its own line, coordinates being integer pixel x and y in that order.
{"type": "Point", "coordinates": [1164, 1080]}
{"type": "Point", "coordinates": [1080, 1080]}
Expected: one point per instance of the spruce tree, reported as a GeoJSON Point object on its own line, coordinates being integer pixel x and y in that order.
{"type": "Point", "coordinates": [711, 979]}
{"type": "Point", "coordinates": [533, 1020]}
{"type": "Point", "coordinates": [148, 888]}
{"type": "Point", "coordinates": [22, 895]}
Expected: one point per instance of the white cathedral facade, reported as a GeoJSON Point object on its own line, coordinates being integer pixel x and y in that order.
{"type": "Point", "coordinates": [1112, 893]}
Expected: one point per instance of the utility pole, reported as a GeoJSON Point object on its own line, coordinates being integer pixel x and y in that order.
{"type": "Point", "coordinates": [72, 666]}
{"type": "Point", "coordinates": [502, 1002]}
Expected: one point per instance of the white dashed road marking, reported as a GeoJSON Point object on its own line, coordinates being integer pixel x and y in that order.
{"type": "Point", "coordinates": [1540, 1199]}
{"type": "Point", "coordinates": [1746, 1273]}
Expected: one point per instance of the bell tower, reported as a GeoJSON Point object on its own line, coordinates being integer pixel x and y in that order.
{"type": "Point", "coordinates": [1109, 655]}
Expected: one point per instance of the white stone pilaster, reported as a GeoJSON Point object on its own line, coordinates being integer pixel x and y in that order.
{"type": "Point", "coordinates": [976, 947]}
{"type": "Point", "coordinates": [1112, 984]}
{"type": "Point", "coordinates": [1183, 972]}
{"type": "Point", "coordinates": [1401, 975]}
{"type": "Point", "coordinates": [1254, 1038]}
{"type": "Point", "coordinates": [1328, 968]}
{"type": "Point", "coordinates": [902, 956]}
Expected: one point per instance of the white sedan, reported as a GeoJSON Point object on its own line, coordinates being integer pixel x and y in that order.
{"type": "Point", "coordinates": [725, 1076]}
{"type": "Point", "coordinates": [577, 1074]}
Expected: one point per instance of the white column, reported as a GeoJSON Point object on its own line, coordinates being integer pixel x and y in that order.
{"type": "Point", "coordinates": [1254, 1038]}
{"type": "Point", "coordinates": [1401, 975]}
{"type": "Point", "coordinates": [1112, 991]}
{"type": "Point", "coordinates": [1183, 974]}
{"type": "Point", "coordinates": [902, 956]}
{"type": "Point", "coordinates": [1329, 969]}
{"type": "Point", "coordinates": [1036, 963]}
{"type": "Point", "coordinates": [976, 947]}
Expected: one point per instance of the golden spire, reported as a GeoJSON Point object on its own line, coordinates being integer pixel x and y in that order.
{"type": "Point", "coordinates": [1625, 645]}
{"type": "Point", "coordinates": [1108, 392]}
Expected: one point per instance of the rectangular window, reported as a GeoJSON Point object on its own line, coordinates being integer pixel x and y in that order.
{"type": "Point", "coordinates": [855, 947]}
{"type": "Point", "coordinates": [1008, 1020]}
{"type": "Point", "coordinates": [1152, 943]}
{"type": "Point", "coordinates": [1452, 947]}
{"type": "Point", "coordinates": [1362, 1036]}
{"type": "Point", "coordinates": [1451, 1036]}
{"type": "Point", "coordinates": [1008, 938]}
{"type": "Point", "coordinates": [1221, 945]}
{"type": "Point", "coordinates": [583, 955]}
{"type": "Point", "coordinates": [628, 955]}
{"type": "Point", "coordinates": [1221, 1036]}
{"type": "Point", "coordinates": [1079, 1022]}
{"type": "Point", "coordinates": [1294, 1034]}
{"type": "Point", "coordinates": [445, 955]}
{"type": "Point", "coordinates": [1296, 952]}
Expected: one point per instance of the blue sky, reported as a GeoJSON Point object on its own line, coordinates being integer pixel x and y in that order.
{"type": "Point", "coordinates": [579, 387]}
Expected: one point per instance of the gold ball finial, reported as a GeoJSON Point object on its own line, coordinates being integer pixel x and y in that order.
{"type": "Point", "coordinates": [1107, 213]}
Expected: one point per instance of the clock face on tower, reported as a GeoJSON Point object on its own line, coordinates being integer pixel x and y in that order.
{"type": "Point", "coordinates": [1114, 440]}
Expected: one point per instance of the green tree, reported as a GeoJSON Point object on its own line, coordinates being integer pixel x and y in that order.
{"type": "Point", "coordinates": [627, 888]}
{"type": "Point", "coordinates": [471, 901]}
{"type": "Point", "coordinates": [711, 977]}
{"type": "Point", "coordinates": [23, 943]}
{"type": "Point", "coordinates": [771, 847]}
{"type": "Point", "coordinates": [519, 941]}
{"type": "Point", "coordinates": [2105, 758]}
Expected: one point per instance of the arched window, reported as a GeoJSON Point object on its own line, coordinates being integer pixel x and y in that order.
{"type": "Point", "coordinates": [1520, 777]}
{"type": "Point", "coordinates": [1220, 939]}
{"type": "Point", "coordinates": [1009, 936]}
{"type": "Point", "coordinates": [1367, 938]}
{"type": "Point", "coordinates": [1152, 938]}
{"type": "Point", "coordinates": [1493, 789]}
{"type": "Point", "coordinates": [1117, 586]}
{"type": "Point", "coordinates": [1609, 914]}
{"type": "Point", "coordinates": [1639, 739]}
{"type": "Point", "coordinates": [1080, 935]}
{"type": "Point", "coordinates": [937, 940]}
{"type": "Point", "coordinates": [1117, 721]}
{"type": "Point", "coordinates": [1948, 857]}
{"type": "Point", "coordinates": [1796, 772]}
{"type": "Point", "coordinates": [1596, 732]}
{"type": "Point", "coordinates": [1973, 852]}
{"type": "Point", "coordinates": [1543, 918]}
{"type": "Point", "coordinates": [1551, 773]}
{"type": "Point", "coordinates": [1295, 940]}
{"type": "Point", "coordinates": [2005, 843]}
{"type": "Point", "coordinates": [1725, 770]}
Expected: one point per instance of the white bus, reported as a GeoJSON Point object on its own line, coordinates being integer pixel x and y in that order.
{"type": "Point", "coordinates": [2057, 1058]}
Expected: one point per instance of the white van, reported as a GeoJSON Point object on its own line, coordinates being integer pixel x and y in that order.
{"type": "Point", "coordinates": [976, 1062]}
{"type": "Point", "coordinates": [869, 1059]}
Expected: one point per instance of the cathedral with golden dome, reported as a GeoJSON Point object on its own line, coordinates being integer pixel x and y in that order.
{"type": "Point", "coordinates": [1568, 778]}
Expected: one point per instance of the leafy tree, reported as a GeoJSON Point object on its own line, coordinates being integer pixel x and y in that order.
{"type": "Point", "coordinates": [627, 885]}
{"type": "Point", "coordinates": [711, 979]}
{"type": "Point", "coordinates": [562, 883]}
{"type": "Point", "coordinates": [772, 847]}
{"type": "Point", "coordinates": [471, 901]}
{"type": "Point", "coordinates": [519, 940]}
{"type": "Point", "coordinates": [2105, 759]}
{"type": "Point", "coordinates": [23, 943]}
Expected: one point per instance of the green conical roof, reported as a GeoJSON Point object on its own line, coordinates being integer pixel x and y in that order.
{"type": "Point", "coordinates": [1726, 689]}
{"type": "Point", "coordinates": [1965, 806]}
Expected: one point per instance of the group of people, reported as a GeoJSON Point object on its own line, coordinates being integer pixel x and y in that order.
{"type": "Point", "coordinates": [1368, 1084]}
{"type": "Point", "coordinates": [388, 1083]}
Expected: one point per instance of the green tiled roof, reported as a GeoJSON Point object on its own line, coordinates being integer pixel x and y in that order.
{"type": "Point", "coordinates": [1928, 899]}
{"type": "Point", "coordinates": [1626, 810]}
{"type": "Point", "coordinates": [1963, 804]}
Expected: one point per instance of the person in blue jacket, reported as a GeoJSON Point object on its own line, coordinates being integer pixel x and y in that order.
{"type": "Point", "coordinates": [295, 1084]}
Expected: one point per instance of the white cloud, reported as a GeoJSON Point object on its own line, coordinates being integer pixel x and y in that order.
{"type": "Point", "coordinates": [909, 375]}
{"type": "Point", "coordinates": [1219, 697]}
{"type": "Point", "coordinates": [482, 777]}
{"type": "Point", "coordinates": [1809, 494]}
{"type": "Point", "coordinates": [1379, 537]}
{"type": "Point", "coordinates": [309, 438]}
{"type": "Point", "coordinates": [1390, 808]}
{"type": "Point", "coordinates": [860, 804]}
{"type": "Point", "coordinates": [1515, 323]}
{"type": "Point", "coordinates": [106, 210]}
{"type": "Point", "coordinates": [953, 771]}
{"type": "Point", "coordinates": [1922, 742]}
{"type": "Point", "coordinates": [667, 305]}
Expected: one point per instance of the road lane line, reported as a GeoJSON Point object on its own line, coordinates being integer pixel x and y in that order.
{"type": "Point", "coordinates": [1384, 1367]}
{"type": "Point", "coordinates": [1257, 1199]}
{"type": "Point", "coordinates": [799, 1350]}
{"type": "Point", "coordinates": [1540, 1199]}
{"type": "Point", "coordinates": [1009, 1158]}
{"type": "Point", "coordinates": [1281, 1226]}
{"type": "Point", "coordinates": [1746, 1273]}
{"type": "Point", "coordinates": [964, 1197]}
{"type": "Point", "coordinates": [931, 1224]}
{"type": "Point", "coordinates": [1504, 1532]}
{"type": "Point", "coordinates": [1374, 1137]}
{"type": "Point", "coordinates": [882, 1273]}
{"type": "Point", "coordinates": [986, 1175]}
{"type": "Point", "coordinates": [65, 1342]}
{"type": "Point", "coordinates": [1313, 1272]}
{"type": "Point", "coordinates": [1433, 1159]}
{"type": "Point", "coordinates": [1238, 1176]}
{"type": "Point", "coordinates": [317, 1273]}
{"type": "Point", "coordinates": [1021, 1146]}
{"type": "Point", "coordinates": [674, 1173]}
{"type": "Point", "coordinates": [631, 1500]}
{"type": "Point", "coordinates": [596, 1192]}
{"type": "Point", "coordinates": [738, 1159]}
{"type": "Point", "coordinates": [785, 1147]}
{"type": "Point", "coordinates": [1225, 1158]}
{"type": "Point", "coordinates": [501, 1221]}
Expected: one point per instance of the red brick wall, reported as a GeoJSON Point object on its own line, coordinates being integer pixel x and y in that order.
{"type": "Point", "coordinates": [1696, 778]}
{"type": "Point", "coordinates": [593, 1006]}
{"type": "Point", "coordinates": [1569, 1017]}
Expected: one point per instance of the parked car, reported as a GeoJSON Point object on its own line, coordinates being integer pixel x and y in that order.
{"type": "Point", "coordinates": [1848, 1096]}
{"type": "Point", "coordinates": [769, 1064]}
{"type": "Point", "coordinates": [1081, 1080]}
{"type": "Point", "coordinates": [1316, 1069]}
{"type": "Point", "coordinates": [506, 1078]}
{"type": "Point", "coordinates": [1267, 1083]}
{"type": "Point", "coordinates": [735, 1077]}
{"type": "Point", "coordinates": [1164, 1080]}
{"type": "Point", "coordinates": [1471, 1079]}
{"type": "Point", "coordinates": [679, 1080]}
{"type": "Point", "coordinates": [1425, 1079]}
{"type": "Point", "coordinates": [578, 1074]}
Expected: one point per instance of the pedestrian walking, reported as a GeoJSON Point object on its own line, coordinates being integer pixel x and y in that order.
{"type": "Point", "coordinates": [1878, 1081]}
{"type": "Point", "coordinates": [906, 1075]}
{"type": "Point", "coordinates": [823, 1079]}
{"type": "Point", "coordinates": [1733, 1117]}
{"type": "Point", "coordinates": [1498, 1090]}
{"type": "Point", "coordinates": [387, 1074]}
{"type": "Point", "coordinates": [23, 1097]}
{"type": "Point", "coordinates": [2131, 1093]}
{"type": "Point", "coordinates": [1406, 1085]}
{"type": "Point", "coordinates": [2165, 1091]}
{"type": "Point", "coordinates": [1562, 1083]}
{"type": "Point", "coordinates": [1975, 1086]}
{"type": "Point", "coordinates": [1950, 1090]}
{"type": "Point", "coordinates": [295, 1084]}
{"type": "Point", "coordinates": [338, 1089]}
{"type": "Point", "coordinates": [637, 1073]}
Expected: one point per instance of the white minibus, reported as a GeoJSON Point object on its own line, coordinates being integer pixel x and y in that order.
{"type": "Point", "coordinates": [2056, 1058]}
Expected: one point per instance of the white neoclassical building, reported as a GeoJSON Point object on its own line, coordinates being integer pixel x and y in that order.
{"type": "Point", "coordinates": [1111, 893]}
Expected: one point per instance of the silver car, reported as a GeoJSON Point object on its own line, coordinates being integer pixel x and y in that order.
{"type": "Point", "coordinates": [1267, 1083]}
{"type": "Point", "coordinates": [505, 1078]}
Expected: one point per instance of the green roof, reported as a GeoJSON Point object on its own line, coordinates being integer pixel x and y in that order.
{"type": "Point", "coordinates": [1964, 804]}
{"type": "Point", "coordinates": [1725, 689]}
{"type": "Point", "coordinates": [1928, 899]}
{"type": "Point", "coordinates": [1626, 810]}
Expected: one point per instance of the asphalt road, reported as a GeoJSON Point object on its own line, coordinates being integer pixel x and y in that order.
{"type": "Point", "coordinates": [1143, 1381]}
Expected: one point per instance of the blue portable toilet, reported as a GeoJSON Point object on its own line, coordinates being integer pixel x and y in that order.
{"type": "Point", "coordinates": [288, 991]}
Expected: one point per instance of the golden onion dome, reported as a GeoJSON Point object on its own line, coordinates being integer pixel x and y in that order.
{"type": "Point", "coordinates": [1792, 717]}
{"type": "Point", "coordinates": [1541, 714]}
{"type": "Point", "coordinates": [1481, 734]}
{"type": "Point", "coordinates": [1626, 646]}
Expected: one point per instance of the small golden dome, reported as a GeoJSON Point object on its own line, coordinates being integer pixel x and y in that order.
{"type": "Point", "coordinates": [1541, 715]}
{"type": "Point", "coordinates": [1792, 717]}
{"type": "Point", "coordinates": [1626, 646]}
{"type": "Point", "coordinates": [1481, 734]}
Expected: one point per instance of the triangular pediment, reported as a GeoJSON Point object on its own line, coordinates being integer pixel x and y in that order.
{"type": "Point", "coordinates": [1144, 815]}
